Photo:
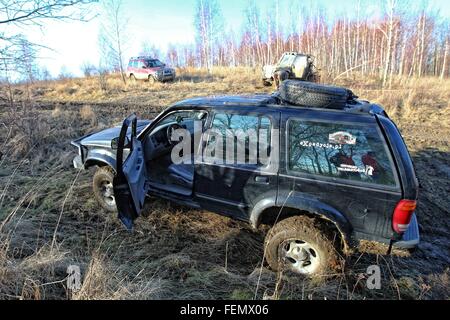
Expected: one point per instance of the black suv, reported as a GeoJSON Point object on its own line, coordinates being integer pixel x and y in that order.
{"type": "Point", "coordinates": [322, 168]}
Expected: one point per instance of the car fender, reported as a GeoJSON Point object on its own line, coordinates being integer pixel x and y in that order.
{"type": "Point", "coordinates": [306, 203]}
{"type": "Point", "coordinates": [100, 157]}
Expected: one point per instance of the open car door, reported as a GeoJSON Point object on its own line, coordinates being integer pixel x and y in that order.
{"type": "Point", "coordinates": [130, 183]}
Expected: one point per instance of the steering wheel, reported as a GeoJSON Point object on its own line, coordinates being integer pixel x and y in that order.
{"type": "Point", "coordinates": [170, 130]}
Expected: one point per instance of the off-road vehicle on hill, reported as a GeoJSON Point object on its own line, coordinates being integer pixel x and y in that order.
{"type": "Point", "coordinates": [322, 168]}
{"type": "Point", "coordinates": [292, 65]}
{"type": "Point", "coordinates": [147, 68]}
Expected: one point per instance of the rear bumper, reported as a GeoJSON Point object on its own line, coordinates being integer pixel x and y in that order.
{"type": "Point", "coordinates": [411, 237]}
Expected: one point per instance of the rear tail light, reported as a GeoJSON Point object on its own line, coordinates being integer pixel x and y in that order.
{"type": "Point", "coordinates": [402, 215]}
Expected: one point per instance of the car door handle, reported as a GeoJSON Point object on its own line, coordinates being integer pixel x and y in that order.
{"type": "Point", "coordinates": [262, 179]}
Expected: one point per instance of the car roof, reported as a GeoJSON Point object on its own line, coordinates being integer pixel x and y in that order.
{"type": "Point", "coordinates": [253, 100]}
{"type": "Point", "coordinates": [143, 58]}
{"type": "Point", "coordinates": [272, 101]}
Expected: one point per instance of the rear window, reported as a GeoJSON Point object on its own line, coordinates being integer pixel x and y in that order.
{"type": "Point", "coordinates": [345, 151]}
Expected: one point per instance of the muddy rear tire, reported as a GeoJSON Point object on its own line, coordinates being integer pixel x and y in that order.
{"type": "Point", "coordinates": [299, 244]}
{"type": "Point", "coordinates": [151, 80]}
{"type": "Point", "coordinates": [102, 186]}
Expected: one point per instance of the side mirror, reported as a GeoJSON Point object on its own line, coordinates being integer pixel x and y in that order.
{"type": "Point", "coordinates": [115, 143]}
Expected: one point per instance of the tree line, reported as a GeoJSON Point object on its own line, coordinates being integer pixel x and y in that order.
{"type": "Point", "coordinates": [400, 37]}
{"type": "Point", "coordinates": [406, 39]}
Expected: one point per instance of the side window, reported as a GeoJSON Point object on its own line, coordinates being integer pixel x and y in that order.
{"type": "Point", "coordinates": [135, 64]}
{"type": "Point", "coordinates": [239, 139]}
{"type": "Point", "coordinates": [130, 64]}
{"type": "Point", "coordinates": [346, 151]}
{"type": "Point", "coordinates": [185, 118]}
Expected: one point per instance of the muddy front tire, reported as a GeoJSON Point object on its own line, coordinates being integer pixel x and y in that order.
{"type": "Point", "coordinates": [266, 83]}
{"type": "Point", "coordinates": [103, 188]}
{"type": "Point", "coordinates": [298, 244]}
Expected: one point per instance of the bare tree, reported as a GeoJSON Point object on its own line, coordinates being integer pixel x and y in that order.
{"type": "Point", "coordinates": [444, 63]}
{"type": "Point", "coordinates": [208, 22]}
{"type": "Point", "coordinates": [149, 49]}
{"type": "Point", "coordinates": [88, 69]}
{"type": "Point", "coordinates": [18, 55]}
{"type": "Point", "coordinates": [113, 37]}
{"type": "Point", "coordinates": [27, 12]}
{"type": "Point", "coordinates": [26, 64]}
{"type": "Point", "coordinates": [253, 28]}
{"type": "Point", "coordinates": [64, 73]}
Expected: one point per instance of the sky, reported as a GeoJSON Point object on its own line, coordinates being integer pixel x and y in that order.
{"type": "Point", "coordinates": [161, 23]}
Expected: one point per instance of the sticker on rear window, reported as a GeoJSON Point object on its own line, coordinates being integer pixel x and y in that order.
{"type": "Point", "coordinates": [367, 170]}
{"type": "Point", "coordinates": [341, 137]}
{"type": "Point", "coordinates": [307, 143]}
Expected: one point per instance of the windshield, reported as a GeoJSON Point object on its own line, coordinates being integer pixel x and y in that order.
{"type": "Point", "coordinates": [287, 60]}
{"type": "Point", "coordinates": [154, 63]}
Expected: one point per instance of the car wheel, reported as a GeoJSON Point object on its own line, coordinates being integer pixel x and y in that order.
{"type": "Point", "coordinates": [132, 78]}
{"type": "Point", "coordinates": [266, 83]}
{"type": "Point", "coordinates": [151, 80]}
{"type": "Point", "coordinates": [298, 245]}
{"type": "Point", "coordinates": [103, 188]}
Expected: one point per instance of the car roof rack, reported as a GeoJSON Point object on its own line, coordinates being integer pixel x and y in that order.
{"type": "Point", "coordinates": [353, 106]}
{"type": "Point", "coordinates": [141, 57]}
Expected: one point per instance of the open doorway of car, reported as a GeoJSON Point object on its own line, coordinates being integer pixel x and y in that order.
{"type": "Point", "coordinates": [130, 182]}
{"type": "Point", "coordinates": [169, 150]}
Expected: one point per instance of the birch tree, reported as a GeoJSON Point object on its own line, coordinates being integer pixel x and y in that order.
{"type": "Point", "coordinates": [113, 36]}
{"type": "Point", "coordinates": [208, 23]}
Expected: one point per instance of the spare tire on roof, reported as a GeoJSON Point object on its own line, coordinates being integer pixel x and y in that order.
{"type": "Point", "coordinates": [314, 95]}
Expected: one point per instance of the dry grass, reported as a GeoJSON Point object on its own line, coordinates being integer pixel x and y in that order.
{"type": "Point", "coordinates": [176, 252]}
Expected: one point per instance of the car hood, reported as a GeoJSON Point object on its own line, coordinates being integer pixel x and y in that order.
{"type": "Point", "coordinates": [269, 67]}
{"type": "Point", "coordinates": [103, 138]}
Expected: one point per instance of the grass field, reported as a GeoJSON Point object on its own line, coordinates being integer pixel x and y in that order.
{"type": "Point", "coordinates": [49, 219]}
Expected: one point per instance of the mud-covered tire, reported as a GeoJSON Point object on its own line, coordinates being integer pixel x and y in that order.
{"type": "Point", "coordinates": [301, 229]}
{"type": "Point", "coordinates": [151, 79]}
{"type": "Point", "coordinates": [266, 83]}
{"type": "Point", "coordinates": [132, 78]}
{"type": "Point", "coordinates": [314, 95]}
{"type": "Point", "coordinates": [102, 187]}
{"type": "Point", "coordinates": [280, 76]}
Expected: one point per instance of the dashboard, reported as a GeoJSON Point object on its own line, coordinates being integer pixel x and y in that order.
{"type": "Point", "coordinates": [156, 143]}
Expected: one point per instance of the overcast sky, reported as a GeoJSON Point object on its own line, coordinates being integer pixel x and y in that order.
{"type": "Point", "coordinates": [161, 23]}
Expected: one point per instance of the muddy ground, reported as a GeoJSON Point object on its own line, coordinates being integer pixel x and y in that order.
{"type": "Point", "coordinates": [49, 219]}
